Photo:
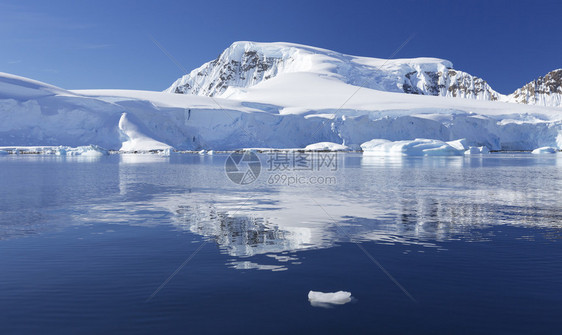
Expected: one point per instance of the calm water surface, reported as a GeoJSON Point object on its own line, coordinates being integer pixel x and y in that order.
{"type": "Point", "coordinates": [148, 244]}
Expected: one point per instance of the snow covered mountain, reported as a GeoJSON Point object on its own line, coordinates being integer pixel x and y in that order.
{"type": "Point", "coordinates": [291, 110]}
{"type": "Point", "coordinates": [544, 91]}
{"type": "Point", "coordinates": [280, 95]}
{"type": "Point", "coordinates": [245, 64]}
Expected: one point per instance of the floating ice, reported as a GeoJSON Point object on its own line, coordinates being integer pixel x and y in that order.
{"type": "Point", "coordinates": [459, 144]}
{"type": "Point", "coordinates": [544, 150]}
{"type": "Point", "coordinates": [477, 150]}
{"type": "Point", "coordinates": [321, 299]}
{"type": "Point", "coordinates": [167, 152]}
{"type": "Point", "coordinates": [247, 265]}
{"type": "Point", "coordinates": [327, 146]}
{"type": "Point", "coordinates": [417, 147]}
{"type": "Point", "coordinates": [89, 150]}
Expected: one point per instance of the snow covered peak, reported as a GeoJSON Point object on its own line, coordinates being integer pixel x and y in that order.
{"type": "Point", "coordinates": [269, 50]}
{"type": "Point", "coordinates": [246, 64]}
{"type": "Point", "coordinates": [544, 91]}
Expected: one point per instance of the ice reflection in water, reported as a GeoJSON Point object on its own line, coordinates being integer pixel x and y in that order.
{"type": "Point", "coordinates": [433, 200]}
{"type": "Point", "coordinates": [423, 201]}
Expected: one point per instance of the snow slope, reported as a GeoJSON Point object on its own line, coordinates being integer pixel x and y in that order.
{"type": "Point", "coordinates": [16, 87]}
{"type": "Point", "coordinates": [310, 96]}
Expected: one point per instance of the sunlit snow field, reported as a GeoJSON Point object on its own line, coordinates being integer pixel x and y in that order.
{"type": "Point", "coordinates": [151, 244]}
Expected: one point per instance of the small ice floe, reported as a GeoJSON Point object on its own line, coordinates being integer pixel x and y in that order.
{"type": "Point", "coordinates": [417, 147]}
{"type": "Point", "coordinates": [60, 151]}
{"type": "Point", "coordinates": [89, 151]}
{"type": "Point", "coordinates": [477, 150]}
{"type": "Point", "coordinates": [321, 299]}
{"type": "Point", "coordinates": [202, 152]}
{"type": "Point", "coordinates": [326, 146]}
{"type": "Point", "coordinates": [167, 152]}
{"type": "Point", "coordinates": [544, 150]}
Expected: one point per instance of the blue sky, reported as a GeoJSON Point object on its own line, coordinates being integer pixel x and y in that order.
{"type": "Point", "coordinates": [106, 44]}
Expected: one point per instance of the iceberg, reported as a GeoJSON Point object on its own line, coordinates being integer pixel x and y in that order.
{"type": "Point", "coordinates": [417, 147]}
{"type": "Point", "coordinates": [89, 151]}
{"type": "Point", "coordinates": [321, 299]}
{"type": "Point", "coordinates": [86, 150]}
{"type": "Point", "coordinates": [167, 152]}
{"type": "Point", "coordinates": [326, 146]}
{"type": "Point", "coordinates": [544, 150]}
{"type": "Point", "coordinates": [477, 150]}
{"type": "Point", "coordinates": [459, 144]}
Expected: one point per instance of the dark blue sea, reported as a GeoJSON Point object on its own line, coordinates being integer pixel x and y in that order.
{"type": "Point", "coordinates": [143, 244]}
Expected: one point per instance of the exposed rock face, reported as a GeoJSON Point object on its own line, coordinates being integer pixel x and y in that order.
{"type": "Point", "coordinates": [237, 66]}
{"type": "Point", "coordinates": [448, 83]}
{"type": "Point", "coordinates": [544, 91]}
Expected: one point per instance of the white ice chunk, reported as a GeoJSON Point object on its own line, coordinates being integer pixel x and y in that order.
{"type": "Point", "coordinates": [417, 147]}
{"type": "Point", "coordinates": [374, 143]}
{"type": "Point", "coordinates": [477, 150]}
{"type": "Point", "coordinates": [88, 150]}
{"type": "Point", "coordinates": [484, 150]}
{"type": "Point", "coordinates": [167, 152]}
{"type": "Point", "coordinates": [326, 146]}
{"type": "Point", "coordinates": [334, 298]}
{"type": "Point", "coordinates": [459, 144]}
{"type": "Point", "coordinates": [60, 151]}
{"type": "Point", "coordinates": [544, 150]}
{"type": "Point", "coordinates": [92, 151]}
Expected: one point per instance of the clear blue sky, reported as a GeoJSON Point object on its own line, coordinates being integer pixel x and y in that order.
{"type": "Point", "coordinates": [105, 44]}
